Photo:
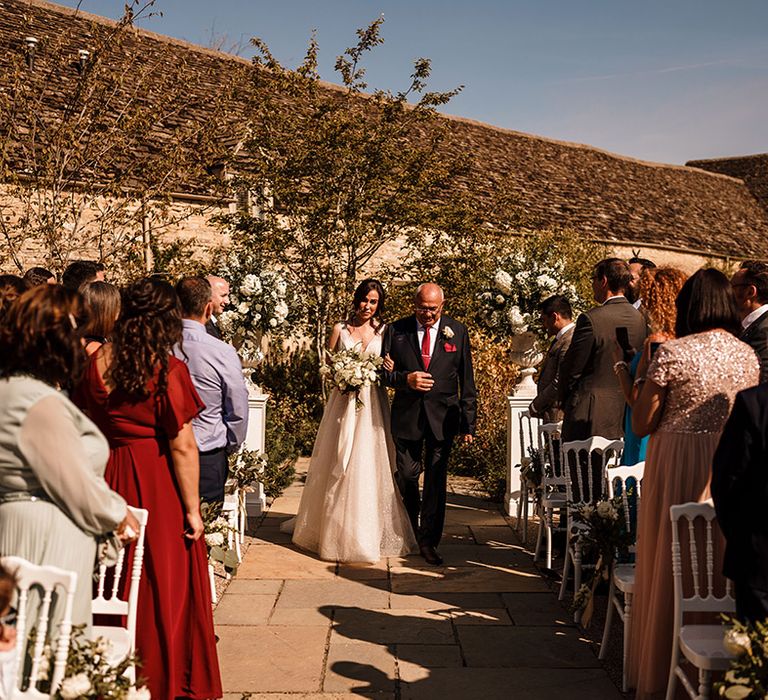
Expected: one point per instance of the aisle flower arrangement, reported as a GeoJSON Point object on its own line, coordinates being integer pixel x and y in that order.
{"type": "Point", "coordinates": [217, 535]}
{"type": "Point", "coordinates": [509, 305]}
{"type": "Point", "coordinates": [748, 674]}
{"type": "Point", "coordinates": [600, 529]}
{"type": "Point", "coordinates": [259, 303]}
{"type": "Point", "coordinates": [246, 469]}
{"type": "Point", "coordinates": [351, 370]}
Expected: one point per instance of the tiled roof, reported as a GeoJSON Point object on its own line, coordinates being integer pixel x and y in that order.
{"type": "Point", "coordinates": [752, 169]}
{"type": "Point", "coordinates": [607, 196]}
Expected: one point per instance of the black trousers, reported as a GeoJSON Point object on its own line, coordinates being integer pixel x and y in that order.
{"type": "Point", "coordinates": [426, 511]}
{"type": "Point", "coordinates": [214, 470]}
{"type": "Point", "coordinates": [751, 602]}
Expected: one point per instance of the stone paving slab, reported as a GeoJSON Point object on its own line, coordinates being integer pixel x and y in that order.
{"type": "Point", "coordinates": [483, 616]}
{"type": "Point", "coordinates": [445, 601]}
{"type": "Point", "coordinates": [334, 593]}
{"type": "Point", "coordinates": [414, 661]}
{"type": "Point", "coordinates": [299, 617]}
{"type": "Point", "coordinates": [262, 659]}
{"type": "Point", "coordinates": [512, 684]}
{"type": "Point", "coordinates": [536, 609]}
{"type": "Point", "coordinates": [252, 586]}
{"type": "Point", "coordinates": [284, 562]}
{"type": "Point", "coordinates": [525, 647]}
{"type": "Point", "coordinates": [485, 579]}
{"type": "Point", "coordinates": [244, 609]}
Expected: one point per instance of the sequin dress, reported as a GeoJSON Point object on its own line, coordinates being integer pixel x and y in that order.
{"type": "Point", "coordinates": [702, 374]}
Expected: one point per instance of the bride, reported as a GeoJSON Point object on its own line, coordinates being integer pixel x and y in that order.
{"type": "Point", "coordinates": [351, 509]}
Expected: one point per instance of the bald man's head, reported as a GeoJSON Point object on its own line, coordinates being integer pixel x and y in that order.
{"type": "Point", "coordinates": [428, 303]}
{"type": "Point", "coordinates": [219, 293]}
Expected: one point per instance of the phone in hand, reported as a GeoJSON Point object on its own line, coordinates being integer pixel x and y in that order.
{"type": "Point", "coordinates": [622, 338]}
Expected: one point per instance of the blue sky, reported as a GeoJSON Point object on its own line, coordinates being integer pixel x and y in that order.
{"type": "Point", "coordinates": [665, 81]}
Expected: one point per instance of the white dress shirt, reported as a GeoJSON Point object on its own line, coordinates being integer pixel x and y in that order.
{"type": "Point", "coordinates": [434, 331]}
{"type": "Point", "coordinates": [564, 330]}
{"type": "Point", "coordinates": [749, 319]}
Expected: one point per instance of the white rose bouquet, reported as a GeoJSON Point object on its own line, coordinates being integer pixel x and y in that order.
{"type": "Point", "coordinates": [351, 370]}
{"type": "Point", "coordinates": [601, 529]}
{"type": "Point", "coordinates": [217, 531]}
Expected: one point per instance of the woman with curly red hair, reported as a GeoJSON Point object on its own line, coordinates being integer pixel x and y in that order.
{"type": "Point", "coordinates": [144, 401]}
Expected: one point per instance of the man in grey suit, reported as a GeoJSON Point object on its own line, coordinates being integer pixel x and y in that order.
{"type": "Point", "coordinates": [591, 398]}
{"type": "Point", "coordinates": [750, 288]}
{"type": "Point", "coordinates": [556, 317]}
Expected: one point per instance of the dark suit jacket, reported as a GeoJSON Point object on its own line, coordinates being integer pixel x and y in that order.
{"type": "Point", "coordinates": [450, 406]}
{"type": "Point", "coordinates": [756, 335]}
{"type": "Point", "coordinates": [590, 395]}
{"type": "Point", "coordinates": [213, 329]}
{"type": "Point", "coordinates": [546, 404]}
{"type": "Point", "coordinates": [740, 488]}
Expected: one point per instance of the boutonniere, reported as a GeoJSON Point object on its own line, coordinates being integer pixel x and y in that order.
{"type": "Point", "coordinates": [448, 332]}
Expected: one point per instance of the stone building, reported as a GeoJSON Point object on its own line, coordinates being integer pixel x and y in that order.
{"type": "Point", "coordinates": [704, 212]}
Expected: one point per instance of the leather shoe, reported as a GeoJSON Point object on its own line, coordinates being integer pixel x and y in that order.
{"type": "Point", "coordinates": [430, 555]}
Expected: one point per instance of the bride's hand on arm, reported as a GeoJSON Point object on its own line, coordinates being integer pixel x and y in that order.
{"type": "Point", "coordinates": [389, 365]}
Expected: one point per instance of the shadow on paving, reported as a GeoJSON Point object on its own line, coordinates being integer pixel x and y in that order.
{"type": "Point", "coordinates": [483, 625]}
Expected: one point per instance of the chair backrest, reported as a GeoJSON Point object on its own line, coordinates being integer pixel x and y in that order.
{"type": "Point", "coordinates": [528, 426]}
{"type": "Point", "coordinates": [549, 434]}
{"type": "Point", "coordinates": [47, 578]}
{"type": "Point", "coordinates": [626, 482]}
{"type": "Point", "coordinates": [598, 453]}
{"type": "Point", "coordinates": [107, 600]}
{"type": "Point", "coordinates": [698, 567]}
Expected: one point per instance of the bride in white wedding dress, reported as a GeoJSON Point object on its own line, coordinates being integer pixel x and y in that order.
{"type": "Point", "coordinates": [351, 509]}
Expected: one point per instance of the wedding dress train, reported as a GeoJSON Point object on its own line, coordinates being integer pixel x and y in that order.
{"type": "Point", "coordinates": [351, 509]}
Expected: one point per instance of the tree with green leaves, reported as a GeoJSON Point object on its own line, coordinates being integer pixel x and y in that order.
{"type": "Point", "coordinates": [336, 176]}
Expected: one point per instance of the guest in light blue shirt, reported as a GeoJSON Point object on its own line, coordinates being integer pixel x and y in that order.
{"type": "Point", "coordinates": [216, 372]}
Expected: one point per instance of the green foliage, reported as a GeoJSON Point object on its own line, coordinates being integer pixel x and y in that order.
{"type": "Point", "coordinates": [279, 471]}
{"type": "Point", "coordinates": [296, 404]}
{"type": "Point", "coordinates": [748, 674]}
{"type": "Point", "coordinates": [336, 175]}
{"type": "Point", "coordinates": [217, 534]}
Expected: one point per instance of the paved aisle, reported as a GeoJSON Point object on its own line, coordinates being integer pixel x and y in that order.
{"type": "Point", "coordinates": [485, 625]}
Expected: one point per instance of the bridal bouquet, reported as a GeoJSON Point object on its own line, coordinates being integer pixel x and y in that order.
{"type": "Point", "coordinates": [351, 370]}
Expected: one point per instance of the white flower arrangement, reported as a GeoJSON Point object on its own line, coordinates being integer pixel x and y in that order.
{"type": "Point", "coordinates": [351, 370]}
{"type": "Point", "coordinates": [260, 303]}
{"type": "Point", "coordinates": [217, 531]}
{"type": "Point", "coordinates": [509, 305]}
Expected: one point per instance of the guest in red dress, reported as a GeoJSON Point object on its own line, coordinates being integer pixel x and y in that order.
{"type": "Point", "coordinates": [143, 400]}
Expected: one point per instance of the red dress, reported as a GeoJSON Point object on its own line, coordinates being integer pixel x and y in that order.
{"type": "Point", "coordinates": [174, 636]}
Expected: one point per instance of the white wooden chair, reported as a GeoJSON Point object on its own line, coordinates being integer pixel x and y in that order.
{"type": "Point", "coordinates": [552, 488]}
{"type": "Point", "coordinates": [622, 480]}
{"type": "Point", "coordinates": [108, 602]}
{"type": "Point", "coordinates": [701, 645]}
{"type": "Point", "coordinates": [528, 428]}
{"type": "Point", "coordinates": [597, 450]}
{"type": "Point", "coordinates": [48, 578]}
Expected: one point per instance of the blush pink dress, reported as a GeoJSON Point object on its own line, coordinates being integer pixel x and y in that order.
{"type": "Point", "coordinates": [702, 374]}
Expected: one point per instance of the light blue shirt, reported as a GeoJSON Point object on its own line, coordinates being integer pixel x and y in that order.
{"type": "Point", "coordinates": [218, 377]}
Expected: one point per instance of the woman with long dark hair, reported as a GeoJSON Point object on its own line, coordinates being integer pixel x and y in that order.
{"type": "Point", "coordinates": [102, 307]}
{"type": "Point", "coordinates": [54, 501]}
{"type": "Point", "coordinates": [144, 401]}
{"type": "Point", "coordinates": [351, 509]}
{"type": "Point", "coordinates": [685, 399]}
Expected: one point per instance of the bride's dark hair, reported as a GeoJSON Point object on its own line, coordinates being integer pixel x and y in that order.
{"type": "Point", "coordinates": [362, 291]}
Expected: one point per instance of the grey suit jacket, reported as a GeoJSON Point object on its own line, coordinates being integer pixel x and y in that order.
{"type": "Point", "coordinates": [590, 395]}
{"type": "Point", "coordinates": [546, 404]}
{"type": "Point", "coordinates": [756, 335]}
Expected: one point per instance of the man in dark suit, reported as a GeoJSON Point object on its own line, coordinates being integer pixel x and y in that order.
{"type": "Point", "coordinates": [750, 287]}
{"type": "Point", "coordinates": [556, 317]}
{"type": "Point", "coordinates": [435, 400]}
{"type": "Point", "coordinates": [740, 493]}
{"type": "Point", "coordinates": [591, 398]}
{"type": "Point", "coordinates": [220, 291]}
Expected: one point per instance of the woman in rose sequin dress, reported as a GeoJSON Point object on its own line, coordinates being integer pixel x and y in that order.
{"type": "Point", "coordinates": [686, 398]}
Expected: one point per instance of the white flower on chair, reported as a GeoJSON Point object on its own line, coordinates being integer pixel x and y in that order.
{"type": "Point", "coordinates": [75, 686]}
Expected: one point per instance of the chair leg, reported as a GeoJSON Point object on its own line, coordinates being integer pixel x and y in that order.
{"type": "Point", "coordinates": [672, 682]}
{"type": "Point", "coordinates": [627, 633]}
{"type": "Point", "coordinates": [520, 502]}
{"type": "Point", "coordinates": [214, 600]}
{"type": "Point", "coordinates": [704, 684]}
{"type": "Point", "coordinates": [566, 571]}
{"type": "Point", "coordinates": [549, 538]}
{"type": "Point", "coordinates": [576, 577]}
{"type": "Point", "coordinates": [608, 621]}
{"type": "Point", "coordinates": [524, 496]}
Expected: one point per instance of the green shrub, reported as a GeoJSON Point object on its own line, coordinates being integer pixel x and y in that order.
{"type": "Point", "coordinates": [282, 454]}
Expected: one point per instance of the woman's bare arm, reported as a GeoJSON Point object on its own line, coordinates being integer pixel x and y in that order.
{"type": "Point", "coordinates": [186, 465]}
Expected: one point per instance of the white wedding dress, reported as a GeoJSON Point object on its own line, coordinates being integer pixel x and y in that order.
{"type": "Point", "coordinates": [351, 509]}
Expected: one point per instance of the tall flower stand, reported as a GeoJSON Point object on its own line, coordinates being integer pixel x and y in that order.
{"type": "Point", "coordinates": [526, 354]}
{"type": "Point", "coordinates": [255, 439]}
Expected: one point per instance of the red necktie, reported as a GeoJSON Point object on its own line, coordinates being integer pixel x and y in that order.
{"type": "Point", "coordinates": [425, 348]}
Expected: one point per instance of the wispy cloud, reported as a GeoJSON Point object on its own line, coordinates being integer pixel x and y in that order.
{"type": "Point", "coordinates": [646, 73]}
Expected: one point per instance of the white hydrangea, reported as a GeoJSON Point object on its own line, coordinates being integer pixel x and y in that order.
{"type": "Point", "coordinates": [243, 308]}
{"type": "Point", "coordinates": [503, 282]}
{"type": "Point", "coordinates": [75, 686]}
{"type": "Point", "coordinates": [214, 539]}
{"type": "Point", "coordinates": [138, 693]}
{"type": "Point", "coordinates": [736, 642]}
{"type": "Point", "coordinates": [607, 511]}
{"type": "Point", "coordinates": [546, 282]}
{"type": "Point", "coordinates": [251, 285]}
